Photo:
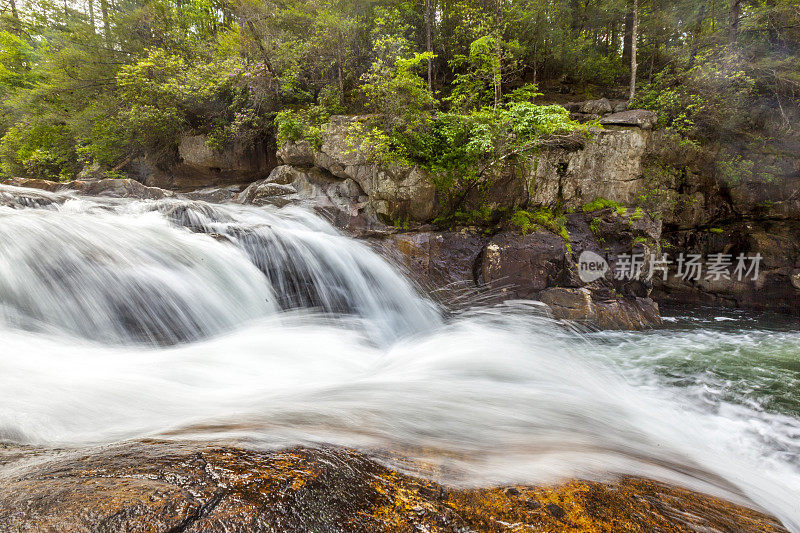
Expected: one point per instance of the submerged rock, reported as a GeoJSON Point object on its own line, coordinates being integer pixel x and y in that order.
{"type": "Point", "coordinates": [157, 486]}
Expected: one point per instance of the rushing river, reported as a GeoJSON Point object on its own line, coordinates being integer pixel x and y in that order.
{"type": "Point", "coordinates": [179, 319]}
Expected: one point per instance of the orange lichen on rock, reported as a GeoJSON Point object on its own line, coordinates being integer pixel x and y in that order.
{"type": "Point", "coordinates": [159, 486]}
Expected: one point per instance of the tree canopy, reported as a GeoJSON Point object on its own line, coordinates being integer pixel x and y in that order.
{"type": "Point", "coordinates": [92, 83]}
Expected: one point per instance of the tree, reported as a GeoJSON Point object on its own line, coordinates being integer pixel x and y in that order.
{"type": "Point", "coordinates": [634, 44]}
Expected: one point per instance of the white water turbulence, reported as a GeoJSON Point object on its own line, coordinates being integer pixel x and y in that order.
{"type": "Point", "coordinates": [178, 319]}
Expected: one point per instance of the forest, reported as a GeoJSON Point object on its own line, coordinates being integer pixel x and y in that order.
{"type": "Point", "coordinates": [91, 84]}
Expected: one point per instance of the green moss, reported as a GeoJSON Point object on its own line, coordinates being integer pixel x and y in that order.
{"type": "Point", "coordinates": [529, 221]}
{"type": "Point", "coordinates": [601, 203]}
{"type": "Point", "coordinates": [716, 230]}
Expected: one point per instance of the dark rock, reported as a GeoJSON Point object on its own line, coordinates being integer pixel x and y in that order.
{"type": "Point", "coordinates": [157, 486]}
{"type": "Point", "coordinates": [520, 266]}
{"type": "Point", "coordinates": [447, 263]}
{"type": "Point", "coordinates": [639, 118]}
{"type": "Point", "coordinates": [775, 287]}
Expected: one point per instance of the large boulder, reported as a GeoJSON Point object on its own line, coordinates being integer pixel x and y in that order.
{"type": "Point", "coordinates": [342, 201]}
{"type": "Point", "coordinates": [395, 191]}
{"type": "Point", "coordinates": [521, 266]}
{"type": "Point", "coordinates": [609, 166]}
{"type": "Point", "coordinates": [446, 263]}
{"type": "Point", "coordinates": [639, 118]}
{"type": "Point", "coordinates": [157, 486]}
{"type": "Point", "coordinates": [581, 305]}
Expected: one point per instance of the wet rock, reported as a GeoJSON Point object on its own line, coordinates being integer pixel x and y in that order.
{"type": "Point", "coordinates": [341, 201]}
{"type": "Point", "coordinates": [639, 118]}
{"type": "Point", "coordinates": [520, 266]}
{"type": "Point", "coordinates": [109, 188]}
{"type": "Point", "coordinates": [580, 305]}
{"type": "Point", "coordinates": [215, 195]}
{"type": "Point", "coordinates": [156, 486]}
{"type": "Point", "coordinates": [774, 288]}
{"type": "Point", "coordinates": [447, 263]}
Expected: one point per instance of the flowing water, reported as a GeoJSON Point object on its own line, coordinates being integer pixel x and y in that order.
{"type": "Point", "coordinates": [124, 319]}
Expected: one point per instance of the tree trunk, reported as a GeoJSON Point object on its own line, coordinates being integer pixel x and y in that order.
{"type": "Point", "coordinates": [733, 18]}
{"type": "Point", "coordinates": [634, 39]}
{"type": "Point", "coordinates": [91, 13]}
{"type": "Point", "coordinates": [14, 12]}
{"type": "Point", "coordinates": [626, 37]}
{"type": "Point", "coordinates": [106, 23]}
{"type": "Point", "coordinates": [498, 75]}
{"type": "Point", "coordinates": [428, 42]}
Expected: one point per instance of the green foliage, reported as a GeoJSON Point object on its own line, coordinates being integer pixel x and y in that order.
{"type": "Point", "coordinates": [601, 203]}
{"type": "Point", "coordinates": [398, 93]}
{"type": "Point", "coordinates": [542, 218]}
{"type": "Point", "coordinates": [145, 72]}
{"type": "Point", "coordinates": [40, 149]}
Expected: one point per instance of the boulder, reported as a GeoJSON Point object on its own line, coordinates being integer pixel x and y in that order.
{"type": "Point", "coordinates": [580, 305]}
{"type": "Point", "coordinates": [520, 266]}
{"type": "Point", "coordinates": [159, 486]}
{"type": "Point", "coordinates": [395, 192]}
{"type": "Point", "coordinates": [200, 165]}
{"type": "Point", "coordinates": [446, 263]}
{"type": "Point", "coordinates": [340, 200]}
{"type": "Point", "coordinates": [299, 153]}
{"type": "Point", "coordinates": [639, 118]}
{"type": "Point", "coordinates": [609, 166]}
{"type": "Point", "coordinates": [596, 107]}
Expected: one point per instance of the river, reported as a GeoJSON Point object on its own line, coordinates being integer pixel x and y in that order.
{"type": "Point", "coordinates": [125, 319]}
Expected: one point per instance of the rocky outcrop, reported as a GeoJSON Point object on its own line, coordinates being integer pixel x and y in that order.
{"type": "Point", "coordinates": [157, 486]}
{"type": "Point", "coordinates": [395, 192]}
{"type": "Point", "coordinates": [564, 174]}
{"type": "Point", "coordinates": [196, 165]}
{"type": "Point", "coordinates": [580, 305]}
{"type": "Point", "coordinates": [609, 166]}
{"type": "Point", "coordinates": [342, 201]}
{"type": "Point", "coordinates": [467, 266]}
{"type": "Point", "coordinates": [639, 118]}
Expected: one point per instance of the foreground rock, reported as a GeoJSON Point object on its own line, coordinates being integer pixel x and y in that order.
{"type": "Point", "coordinates": [155, 486]}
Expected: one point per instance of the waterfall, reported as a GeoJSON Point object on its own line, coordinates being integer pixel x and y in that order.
{"type": "Point", "coordinates": [170, 271]}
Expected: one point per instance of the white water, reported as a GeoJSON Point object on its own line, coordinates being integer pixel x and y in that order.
{"type": "Point", "coordinates": [119, 322]}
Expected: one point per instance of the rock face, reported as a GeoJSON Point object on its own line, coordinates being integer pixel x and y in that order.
{"type": "Point", "coordinates": [156, 486]}
{"type": "Point", "coordinates": [461, 267]}
{"type": "Point", "coordinates": [609, 166]}
{"type": "Point", "coordinates": [394, 192]}
{"type": "Point", "coordinates": [196, 165]}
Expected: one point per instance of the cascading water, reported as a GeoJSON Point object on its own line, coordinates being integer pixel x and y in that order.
{"type": "Point", "coordinates": [125, 319]}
